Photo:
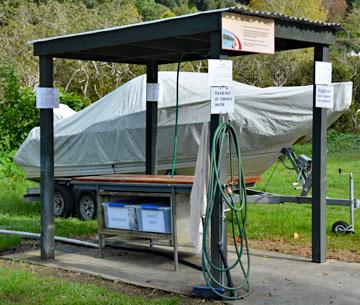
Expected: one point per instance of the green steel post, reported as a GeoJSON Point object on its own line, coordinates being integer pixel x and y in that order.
{"type": "Point", "coordinates": [218, 232]}
{"type": "Point", "coordinates": [319, 171]}
{"type": "Point", "coordinates": [47, 165]}
{"type": "Point", "coordinates": [151, 123]}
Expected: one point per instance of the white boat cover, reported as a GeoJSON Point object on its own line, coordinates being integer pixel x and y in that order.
{"type": "Point", "coordinates": [64, 111]}
{"type": "Point", "coordinates": [109, 135]}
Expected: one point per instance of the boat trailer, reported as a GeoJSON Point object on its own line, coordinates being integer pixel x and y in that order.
{"type": "Point", "coordinates": [303, 167]}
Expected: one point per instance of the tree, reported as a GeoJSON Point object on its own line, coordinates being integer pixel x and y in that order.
{"type": "Point", "coordinates": [352, 3]}
{"type": "Point", "coordinates": [183, 8]}
{"type": "Point", "coordinates": [204, 5]}
{"type": "Point", "coordinates": [346, 62]}
{"type": "Point", "coordinates": [28, 21]}
{"type": "Point", "coordinates": [336, 9]}
{"type": "Point", "coordinates": [171, 4]}
{"type": "Point", "coordinates": [351, 24]}
{"type": "Point", "coordinates": [149, 9]}
{"type": "Point", "coordinates": [310, 9]}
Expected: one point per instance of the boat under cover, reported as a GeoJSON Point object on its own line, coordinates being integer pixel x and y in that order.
{"type": "Point", "coordinates": [109, 136]}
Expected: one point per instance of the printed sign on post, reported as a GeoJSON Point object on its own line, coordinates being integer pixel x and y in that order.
{"type": "Point", "coordinates": [220, 72]}
{"type": "Point", "coordinates": [222, 100]}
{"type": "Point", "coordinates": [47, 98]}
{"type": "Point", "coordinates": [248, 33]}
{"type": "Point", "coordinates": [324, 90]}
{"type": "Point", "coordinates": [323, 72]}
{"type": "Point", "coordinates": [152, 92]}
{"type": "Point", "coordinates": [324, 96]}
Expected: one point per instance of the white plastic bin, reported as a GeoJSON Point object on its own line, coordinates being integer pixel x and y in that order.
{"type": "Point", "coordinates": [154, 218]}
{"type": "Point", "coordinates": [119, 215]}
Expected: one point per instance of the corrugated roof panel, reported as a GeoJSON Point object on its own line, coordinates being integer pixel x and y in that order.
{"type": "Point", "coordinates": [283, 17]}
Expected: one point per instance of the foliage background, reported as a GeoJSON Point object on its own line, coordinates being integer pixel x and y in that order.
{"type": "Point", "coordinates": [82, 82]}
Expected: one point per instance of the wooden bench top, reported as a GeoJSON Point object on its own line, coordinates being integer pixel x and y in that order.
{"type": "Point", "coordinates": [150, 179]}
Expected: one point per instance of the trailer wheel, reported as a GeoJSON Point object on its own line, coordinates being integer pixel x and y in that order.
{"type": "Point", "coordinates": [63, 201]}
{"type": "Point", "coordinates": [86, 206]}
{"type": "Point", "coordinates": [340, 227]}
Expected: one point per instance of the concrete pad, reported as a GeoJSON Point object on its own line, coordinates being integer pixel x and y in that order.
{"type": "Point", "coordinates": [275, 278]}
{"type": "Point", "coordinates": [133, 267]}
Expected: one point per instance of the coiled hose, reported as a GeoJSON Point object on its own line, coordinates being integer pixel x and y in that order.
{"type": "Point", "coordinates": [237, 207]}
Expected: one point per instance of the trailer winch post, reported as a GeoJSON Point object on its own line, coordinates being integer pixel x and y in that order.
{"type": "Point", "coordinates": [352, 198]}
{"type": "Point", "coordinates": [47, 184]}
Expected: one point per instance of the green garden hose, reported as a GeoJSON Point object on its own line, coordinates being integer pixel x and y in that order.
{"type": "Point", "coordinates": [237, 206]}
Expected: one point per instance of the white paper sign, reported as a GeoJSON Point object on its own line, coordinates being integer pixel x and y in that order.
{"type": "Point", "coordinates": [152, 92]}
{"type": "Point", "coordinates": [323, 72]}
{"type": "Point", "coordinates": [324, 96]}
{"type": "Point", "coordinates": [220, 72]}
{"type": "Point", "coordinates": [222, 100]}
{"type": "Point", "coordinates": [47, 98]}
{"type": "Point", "coordinates": [118, 218]}
{"type": "Point", "coordinates": [153, 221]}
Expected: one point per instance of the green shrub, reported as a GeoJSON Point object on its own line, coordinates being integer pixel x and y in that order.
{"type": "Point", "coordinates": [18, 112]}
{"type": "Point", "coordinates": [74, 101]}
{"type": "Point", "coordinates": [11, 176]}
{"type": "Point", "coordinates": [343, 142]}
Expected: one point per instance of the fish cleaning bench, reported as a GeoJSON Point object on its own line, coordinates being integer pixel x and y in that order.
{"type": "Point", "coordinates": [148, 207]}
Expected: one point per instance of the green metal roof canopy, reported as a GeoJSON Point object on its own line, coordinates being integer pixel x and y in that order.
{"type": "Point", "coordinates": [164, 41]}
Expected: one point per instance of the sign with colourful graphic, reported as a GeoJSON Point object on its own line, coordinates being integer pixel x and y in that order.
{"type": "Point", "coordinates": [248, 33]}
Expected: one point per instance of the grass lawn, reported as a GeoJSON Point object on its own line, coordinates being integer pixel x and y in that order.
{"type": "Point", "coordinates": [265, 222]}
{"type": "Point", "coordinates": [19, 284]}
{"type": "Point", "coordinates": [20, 216]}
{"type": "Point", "coordinates": [280, 222]}
{"type": "Point", "coordinates": [26, 284]}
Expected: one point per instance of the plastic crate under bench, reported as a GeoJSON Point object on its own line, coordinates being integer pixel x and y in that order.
{"type": "Point", "coordinates": [137, 217]}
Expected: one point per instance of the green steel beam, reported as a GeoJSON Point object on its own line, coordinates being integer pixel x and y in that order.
{"type": "Point", "coordinates": [294, 33]}
{"type": "Point", "coordinates": [133, 34]}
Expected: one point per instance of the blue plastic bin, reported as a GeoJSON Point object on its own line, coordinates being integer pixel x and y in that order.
{"type": "Point", "coordinates": [119, 215]}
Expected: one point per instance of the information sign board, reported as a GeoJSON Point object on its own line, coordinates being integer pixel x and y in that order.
{"type": "Point", "coordinates": [248, 33]}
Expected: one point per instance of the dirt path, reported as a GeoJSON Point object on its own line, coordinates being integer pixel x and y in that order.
{"type": "Point", "coordinates": [280, 246]}
{"type": "Point", "coordinates": [285, 247]}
